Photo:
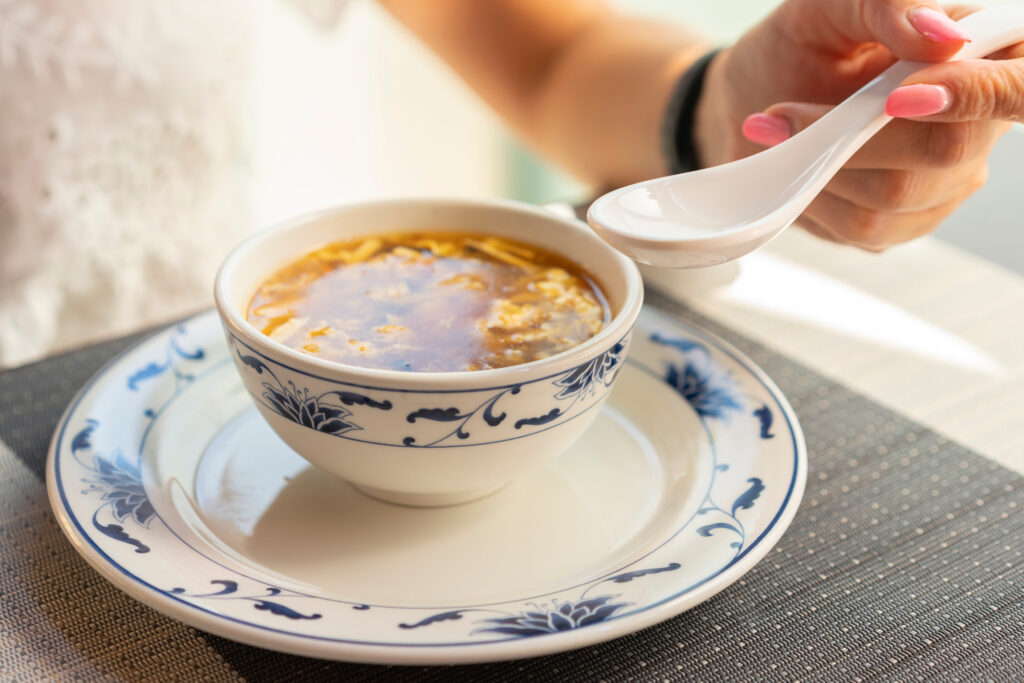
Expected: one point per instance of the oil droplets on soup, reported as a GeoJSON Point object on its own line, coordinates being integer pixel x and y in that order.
{"type": "Point", "coordinates": [430, 302]}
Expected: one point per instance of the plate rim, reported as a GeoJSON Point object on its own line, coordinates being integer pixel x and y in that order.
{"type": "Point", "coordinates": [290, 642]}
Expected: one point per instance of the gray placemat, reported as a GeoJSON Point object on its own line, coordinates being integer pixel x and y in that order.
{"type": "Point", "coordinates": [903, 563]}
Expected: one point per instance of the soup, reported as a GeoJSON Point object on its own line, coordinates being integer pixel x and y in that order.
{"type": "Point", "coordinates": [430, 302]}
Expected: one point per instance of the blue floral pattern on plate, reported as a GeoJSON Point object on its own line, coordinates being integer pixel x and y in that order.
{"type": "Point", "coordinates": [229, 589]}
{"type": "Point", "coordinates": [555, 616]}
{"type": "Point", "coordinates": [566, 616]}
{"type": "Point", "coordinates": [114, 517]}
{"type": "Point", "coordinates": [120, 486]}
{"type": "Point", "coordinates": [116, 478]}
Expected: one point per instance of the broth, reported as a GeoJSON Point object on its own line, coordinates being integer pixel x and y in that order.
{"type": "Point", "coordinates": [430, 302]}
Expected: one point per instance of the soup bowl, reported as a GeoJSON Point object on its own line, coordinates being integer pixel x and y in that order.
{"type": "Point", "coordinates": [427, 438]}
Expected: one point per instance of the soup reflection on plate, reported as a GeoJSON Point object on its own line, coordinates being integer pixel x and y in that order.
{"type": "Point", "coordinates": [430, 302]}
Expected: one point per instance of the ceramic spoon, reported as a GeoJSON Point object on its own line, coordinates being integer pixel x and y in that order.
{"type": "Point", "coordinates": [714, 215]}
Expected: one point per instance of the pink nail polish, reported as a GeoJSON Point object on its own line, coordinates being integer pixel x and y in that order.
{"type": "Point", "coordinates": [765, 129]}
{"type": "Point", "coordinates": [936, 26]}
{"type": "Point", "coordinates": [918, 100]}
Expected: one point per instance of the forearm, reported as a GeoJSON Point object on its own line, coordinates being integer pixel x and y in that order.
{"type": "Point", "coordinates": [601, 111]}
{"type": "Point", "coordinates": [585, 85]}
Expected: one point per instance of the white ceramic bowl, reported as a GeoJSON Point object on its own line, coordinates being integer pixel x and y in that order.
{"type": "Point", "coordinates": [422, 438]}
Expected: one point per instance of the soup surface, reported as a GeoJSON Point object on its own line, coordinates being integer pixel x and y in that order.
{"type": "Point", "coordinates": [430, 302]}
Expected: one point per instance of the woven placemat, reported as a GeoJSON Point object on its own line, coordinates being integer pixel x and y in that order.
{"type": "Point", "coordinates": [903, 563]}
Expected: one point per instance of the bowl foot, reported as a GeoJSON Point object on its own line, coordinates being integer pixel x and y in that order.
{"type": "Point", "coordinates": [426, 500]}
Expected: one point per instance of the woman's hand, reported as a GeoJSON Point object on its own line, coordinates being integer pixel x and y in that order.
{"type": "Point", "coordinates": [809, 55]}
{"type": "Point", "coordinates": [590, 87]}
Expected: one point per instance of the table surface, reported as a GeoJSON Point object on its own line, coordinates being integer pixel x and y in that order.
{"type": "Point", "coordinates": [926, 329]}
{"type": "Point", "coordinates": [903, 563]}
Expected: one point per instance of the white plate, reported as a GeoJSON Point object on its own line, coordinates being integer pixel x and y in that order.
{"type": "Point", "coordinates": [169, 483]}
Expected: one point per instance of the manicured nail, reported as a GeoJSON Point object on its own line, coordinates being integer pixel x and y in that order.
{"type": "Point", "coordinates": [936, 26]}
{"type": "Point", "coordinates": [918, 100]}
{"type": "Point", "coordinates": [765, 129]}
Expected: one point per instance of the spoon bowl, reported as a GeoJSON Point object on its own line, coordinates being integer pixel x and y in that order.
{"type": "Point", "coordinates": [708, 217]}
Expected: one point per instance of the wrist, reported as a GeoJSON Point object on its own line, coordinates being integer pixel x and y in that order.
{"type": "Point", "coordinates": [679, 123]}
{"type": "Point", "coordinates": [715, 134]}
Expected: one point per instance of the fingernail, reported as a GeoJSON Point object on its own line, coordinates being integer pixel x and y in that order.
{"type": "Point", "coordinates": [765, 129]}
{"type": "Point", "coordinates": [918, 100]}
{"type": "Point", "coordinates": [936, 26]}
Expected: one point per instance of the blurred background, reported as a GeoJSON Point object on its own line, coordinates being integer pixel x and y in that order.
{"type": "Point", "coordinates": [361, 110]}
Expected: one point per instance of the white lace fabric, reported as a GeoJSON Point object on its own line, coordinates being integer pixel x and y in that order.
{"type": "Point", "coordinates": [123, 167]}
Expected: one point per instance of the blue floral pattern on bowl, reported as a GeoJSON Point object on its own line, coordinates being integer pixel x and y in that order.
{"type": "Point", "coordinates": [444, 418]}
{"type": "Point", "coordinates": [324, 412]}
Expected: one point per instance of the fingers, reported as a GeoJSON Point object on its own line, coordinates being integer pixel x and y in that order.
{"type": "Point", "coordinates": [971, 90]}
{"type": "Point", "coordinates": [810, 226]}
{"type": "Point", "coordinates": [910, 29]}
{"type": "Point", "coordinates": [769, 129]}
{"type": "Point", "coordinates": [900, 185]}
{"type": "Point", "coordinates": [873, 231]}
{"type": "Point", "coordinates": [901, 145]}
{"type": "Point", "coordinates": [843, 221]}
{"type": "Point", "coordinates": [898, 191]}
{"type": "Point", "coordinates": [976, 89]}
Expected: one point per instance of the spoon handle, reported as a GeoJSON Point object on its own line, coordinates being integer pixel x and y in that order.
{"type": "Point", "coordinates": [991, 29]}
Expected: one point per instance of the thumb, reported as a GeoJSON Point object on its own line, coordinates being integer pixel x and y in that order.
{"type": "Point", "coordinates": [781, 121]}
{"type": "Point", "coordinates": [911, 29]}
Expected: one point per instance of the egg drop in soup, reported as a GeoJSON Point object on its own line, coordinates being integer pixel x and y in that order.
{"type": "Point", "coordinates": [430, 302]}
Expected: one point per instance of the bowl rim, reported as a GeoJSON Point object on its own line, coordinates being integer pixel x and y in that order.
{"type": "Point", "coordinates": [614, 332]}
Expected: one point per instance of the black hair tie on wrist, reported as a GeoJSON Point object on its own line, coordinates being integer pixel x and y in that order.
{"type": "Point", "coordinates": [677, 126]}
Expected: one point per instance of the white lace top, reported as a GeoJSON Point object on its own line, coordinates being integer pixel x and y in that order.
{"type": "Point", "coordinates": [123, 163]}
